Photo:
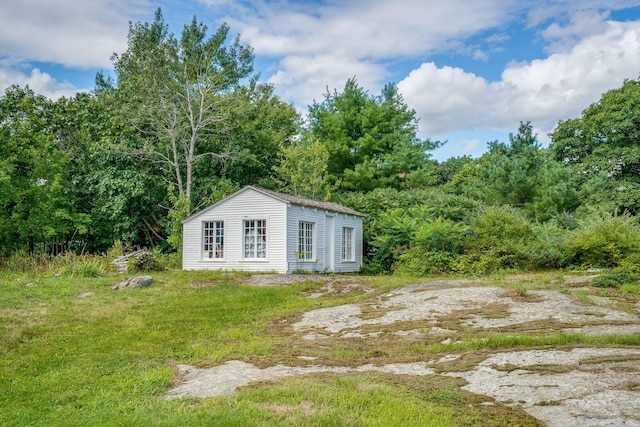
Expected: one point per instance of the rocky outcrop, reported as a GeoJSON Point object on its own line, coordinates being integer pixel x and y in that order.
{"type": "Point", "coordinates": [134, 282]}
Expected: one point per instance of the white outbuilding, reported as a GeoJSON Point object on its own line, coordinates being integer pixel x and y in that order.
{"type": "Point", "coordinates": [261, 230]}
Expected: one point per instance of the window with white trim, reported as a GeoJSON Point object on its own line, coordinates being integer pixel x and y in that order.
{"type": "Point", "coordinates": [255, 238]}
{"type": "Point", "coordinates": [213, 239]}
{"type": "Point", "coordinates": [348, 243]}
{"type": "Point", "coordinates": [305, 240]}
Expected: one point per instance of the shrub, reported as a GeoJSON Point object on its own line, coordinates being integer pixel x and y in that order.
{"type": "Point", "coordinates": [118, 248]}
{"type": "Point", "coordinates": [418, 262]}
{"type": "Point", "coordinates": [171, 261]}
{"type": "Point", "coordinates": [546, 249]}
{"type": "Point", "coordinates": [604, 240]}
{"type": "Point", "coordinates": [392, 217]}
{"type": "Point", "coordinates": [630, 288]}
{"type": "Point", "coordinates": [145, 261]}
{"type": "Point", "coordinates": [479, 263]}
{"type": "Point", "coordinates": [439, 234]}
{"type": "Point", "coordinates": [69, 264]}
{"type": "Point", "coordinates": [497, 240]}
{"type": "Point", "coordinates": [613, 279]}
{"type": "Point", "coordinates": [373, 267]}
{"type": "Point", "coordinates": [85, 266]}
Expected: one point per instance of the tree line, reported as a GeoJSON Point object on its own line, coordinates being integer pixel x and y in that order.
{"type": "Point", "coordinates": [185, 121]}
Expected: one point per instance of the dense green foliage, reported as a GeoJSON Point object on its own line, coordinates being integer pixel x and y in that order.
{"type": "Point", "coordinates": [602, 149]}
{"type": "Point", "coordinates": [521, 174]}
{"type": "Point", "coordinates": [186, 122]}
{"type": "Point", "coordinates": [38, 202]}
{"type": "Point", "coordinates": [371, 140]}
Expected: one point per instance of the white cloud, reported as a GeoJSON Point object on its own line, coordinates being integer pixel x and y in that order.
{"type": "Point", "coordinates": [542, 11]}
{"type": "Point", "coordinates": [480, 55]}
{"type": "Point", "coordinates": [366, 28]}
{"type": "Point", "coordinates": [321, 46]}
{"type": "Point", "coordinates": [464, 147]}
{"type": "Point", "coordinates": [39, 82]}
{"type": "Point", "coordinates": [542, 91]}
{"type": "Point", "coordinates": [75, 33]}
{"type": "Point", "coordinates": [447, 98]}
{"type": "Point", "coordinates": [305, 78]}
{"type": "Point", "coordinates": [583, 23]}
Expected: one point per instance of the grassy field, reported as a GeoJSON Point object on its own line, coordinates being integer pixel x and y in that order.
{"type": "Point", "coordinates": [76, 352]}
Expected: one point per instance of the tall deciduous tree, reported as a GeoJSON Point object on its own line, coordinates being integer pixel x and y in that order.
{"type": "Point", "coordinates": [371, 140]}
{"type": "Point", "coordinates": [303, 169]}
{"type": "Point", "coordinates": [602, 148]}
{"type": "Point", "coordinates": [178, 92]}
{"type": "Point", "coordinates": [261, 124]}
{"type": "Point", "coordinates": [121, 195]}
{"type": "Point", "coordinates": [37, 209]}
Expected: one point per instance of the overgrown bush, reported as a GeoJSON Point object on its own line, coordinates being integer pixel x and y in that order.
{"type": "Point", "coordinates": [497, 240]}
{"type": "Point", "coordinates": [604, 240]}
{"type": "Point", "coordinates": [413, 206]}
{"type": "Point", "coordinates": [171, 261]}
{"type": "Point", "coordinates": [86, 267]}
{"type": "Point", "coordinates": [478, 264]}
{"type": "Point", "coordinates": [118, 248]}
{"type": "Point", "coordinates": [373, 267]}
{"type": "Point", "coordinates": [440, 234]}
{"type": "Point", "coordinates": [546, 248]}
{"type": "Point", "coordinates": [613, 279]}
{"type": "Point", "coordinates": [428, 232]}
{"type": "Point", "coordinates": [420, 262]}
{"type": "Point", "coordinates": [145, 261]}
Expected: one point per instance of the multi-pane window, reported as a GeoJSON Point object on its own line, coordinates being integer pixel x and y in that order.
{"type": "Point", "coordinates": [347, 244]}
{"type": "Point", "coordinates": [255, 238]}
{"type": "Point", "coordinates": [305, 240]}
{"type": "Point", "coordinates": [213, 244]}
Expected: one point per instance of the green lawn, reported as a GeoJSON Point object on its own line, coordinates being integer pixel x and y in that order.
{"type": "Point", "coordinates": [76, 352]}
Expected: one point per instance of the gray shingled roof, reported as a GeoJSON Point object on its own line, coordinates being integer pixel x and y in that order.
{"type": "Point", "coordinates": [301, 201]}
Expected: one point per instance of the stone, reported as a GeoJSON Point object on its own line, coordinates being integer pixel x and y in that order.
{"type": "Point", "coordinates": [134, 282]}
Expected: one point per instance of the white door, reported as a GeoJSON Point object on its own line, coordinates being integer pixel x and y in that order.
{"type": "Point", "coordinates": [329, 243]}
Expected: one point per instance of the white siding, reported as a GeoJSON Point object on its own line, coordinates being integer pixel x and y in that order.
{"type": "Point", "coordinates": [342, 220]}
{"type": "Point", "coordinates": [319, 217]}
{"type": "Point", "coordinates": [283, 221]}
{"type": "Point", "coordinates": [233, 211]}
{"type": "Point", "coordinates": [316, 216]}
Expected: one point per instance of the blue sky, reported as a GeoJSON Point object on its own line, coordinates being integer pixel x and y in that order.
{"type": "Point", "coordinates": [472, 70]}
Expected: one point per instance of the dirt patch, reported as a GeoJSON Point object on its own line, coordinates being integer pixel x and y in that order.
{"type": "Point", "coordinates": [330, 285]}
{"type": "Point", "coordinates": [206, 283]}
{"type": "Point", "coordinates": [339, 286]}
{"type": "Point", "coordinates": [280, 279]}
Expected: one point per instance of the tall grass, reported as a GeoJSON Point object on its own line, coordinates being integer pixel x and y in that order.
{"type": "Point", "coordinates": [70, 264]}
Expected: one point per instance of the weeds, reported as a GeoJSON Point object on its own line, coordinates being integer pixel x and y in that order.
{"type": "Point", "coordinates": [630, 288]}
{"type": "Point", "coordinates": [613, 279]}
{"type": "Point", "coordinates": [494, 342]}
{"type": "Point", "coordinates": [68, 264]}
{"type": "Point", "coordinates": [582, 296]}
